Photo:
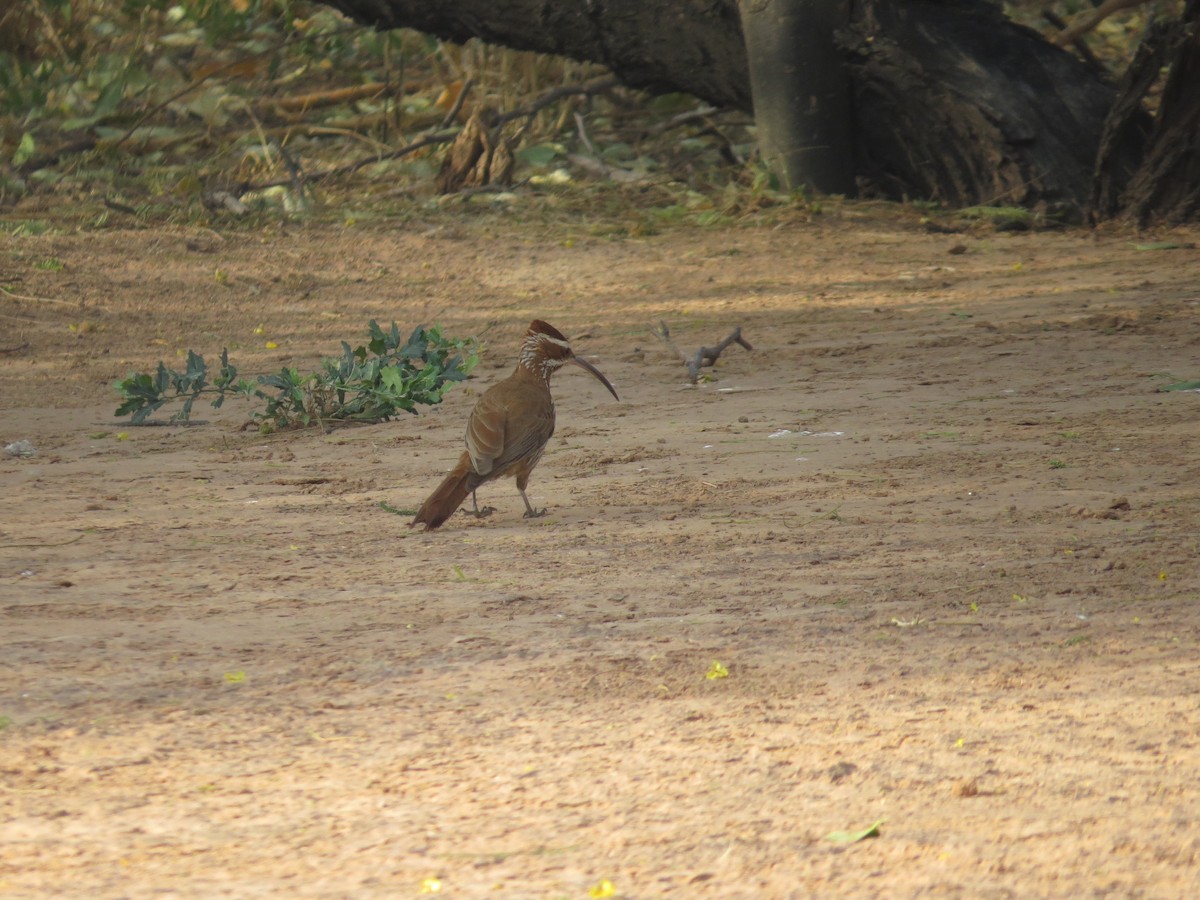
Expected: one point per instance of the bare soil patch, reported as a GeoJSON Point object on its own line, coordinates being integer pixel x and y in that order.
{"type": "Point", "coordinates": [939, 527]}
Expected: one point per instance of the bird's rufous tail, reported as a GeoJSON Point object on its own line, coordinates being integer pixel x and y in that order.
{"type": "Point", "coordinates": [448, 497]}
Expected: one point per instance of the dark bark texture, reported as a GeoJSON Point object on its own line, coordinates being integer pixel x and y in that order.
{"type": "Point", "coordinates": [956, 103]}
{"type": "Point", "coordinates": [802, 111]}
{"type": "Point", "coordinates": [693, 46]}
{"type": "Point", "coordinates": [952, 101]}
{"type": "Point", "coordinates": [1165, 187]}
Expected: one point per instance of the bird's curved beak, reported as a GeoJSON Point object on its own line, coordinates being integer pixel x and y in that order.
{"type": "Point", "coordinates": [583, 363]}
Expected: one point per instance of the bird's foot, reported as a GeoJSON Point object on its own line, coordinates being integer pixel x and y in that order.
{"type": "Point", "coordinates": [534, 513]}
{"type": "Point", "coordinates": [481, 513]}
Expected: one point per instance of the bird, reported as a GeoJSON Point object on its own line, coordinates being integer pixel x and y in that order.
{"type": "Point", "coordinates": [509, 427]}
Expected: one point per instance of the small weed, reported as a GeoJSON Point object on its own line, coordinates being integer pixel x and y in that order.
{"type": "Point", "coordinates": [30, 228]}
{"type": "Point", "coordinates": [49, 265]}
{"type": "Point", "coordinates": [395, 510]}
{"type": "Point", "coordinates": [1002, 218]}
{"type": "Point", "coordinates": [1057, 464]}
{"type": "Point", "coordinates": [369, 383]}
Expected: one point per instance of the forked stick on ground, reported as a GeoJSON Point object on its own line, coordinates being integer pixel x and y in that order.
{"type": "Point", "coordinates": [705, 356]}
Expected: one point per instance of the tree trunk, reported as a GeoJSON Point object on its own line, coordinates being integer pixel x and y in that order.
{"type": "Point", "coordinates": [1166, 185]}
{"type": "Point", "coordinates": [952, 101]}
{"type": "Point", "coordinates": [955, 103]}
{"type": "Point", "coordinates": [801, 91]}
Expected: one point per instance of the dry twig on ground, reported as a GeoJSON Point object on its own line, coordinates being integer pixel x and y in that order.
{"type": "Point", "coordinates": [705, 356]}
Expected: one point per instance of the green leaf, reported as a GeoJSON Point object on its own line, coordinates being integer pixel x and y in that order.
{"type": "Point", "coordinates": [393, 379]}
{"type": "Point", "coordinates": [162, 380]}
{"type": "Point", "coordinates": [25, 150]}
{"type": "Point", "coordinates": [853, 837]}
{"type": "Point", "coordinates": [110, 97]}
{"type": "Point", "coordinates": [1182, 386]}
{"type": "Point", "coordinates": [455, 370]}
{"type": "Point", "coordinates": [378, 343]}
{"type": "Point", "coordinates": [417, 346]}
{"type": "Point", "coordinates": [540, 155]}
{"type": "Point", "coordinates": [196, 369]}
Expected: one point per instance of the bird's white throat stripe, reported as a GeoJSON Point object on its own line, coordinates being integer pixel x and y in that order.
{"type": "Point", "coordinates": [533, 360]}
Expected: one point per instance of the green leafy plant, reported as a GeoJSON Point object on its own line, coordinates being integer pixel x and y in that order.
{"type": "Point", "coordinates": [369, 383]}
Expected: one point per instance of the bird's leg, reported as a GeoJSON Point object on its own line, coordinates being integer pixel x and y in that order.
{"type": "Point", "coordinates": [530, 512]}
{"type": "Point", "coordinates": [480, 513]}
{"type": "Point", "coordinates": [522, 480]}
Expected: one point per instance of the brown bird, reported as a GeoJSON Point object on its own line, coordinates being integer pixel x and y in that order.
{"type": "Point", "coordinates": [509, 427]}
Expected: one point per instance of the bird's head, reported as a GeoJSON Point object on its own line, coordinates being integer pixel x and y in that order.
{"type": "Point", "coordinates": [545, 350]}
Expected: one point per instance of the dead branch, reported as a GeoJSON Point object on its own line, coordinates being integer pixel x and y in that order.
{"type": "Point", "coordinates": [456, 107]}
{"type": "Point", "coordinates": [445, 137]}
{"type": "Point", "coordinates": [440, 137]}
{"type": "Point", "coordinates": [700, 113]}
{"type": "Point", "coordinates": [476, 158]}
{"type": "Point", "coordinates": [334, 97]}
{"type": "Point", "coordinates": [705, 356]}
{"type": "Point", "coordinates": [47, 160]}
{"type": "Point", "coordinates": [17, 349]}
{"type": "Point", "coordinates": [1078, 43]}
{"type": "Point", "coordinates": [1084, 24]}
{"type": "Point", "coordinates": [117, 206]}
{"type": "Point", "coordinates": [14, 295]}
{"type": "Point", "coordinates": [591, 88]}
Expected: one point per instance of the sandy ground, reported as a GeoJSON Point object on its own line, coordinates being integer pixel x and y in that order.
{"type": "Point", "coordinates": [940, 528]}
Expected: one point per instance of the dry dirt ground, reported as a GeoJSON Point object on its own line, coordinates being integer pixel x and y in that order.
{"type": "Point", "coordinates": [939, 528]}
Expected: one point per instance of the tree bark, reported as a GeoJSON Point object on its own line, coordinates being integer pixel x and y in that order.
{"type": "Point", "coordinates": [693, 46]}
{"type": "Point", "coordinates": [801, 90]}
{"type": "Point", "coordinates": [952, 101]}
{"type": "Point", "coordinates": [955, 103]}
{"type": "Point", "coordinates": [1166, 185]}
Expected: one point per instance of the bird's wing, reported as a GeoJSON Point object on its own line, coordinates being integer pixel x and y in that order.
{"type": "Point", "coordinates": [485, 433]}
{"type": "Point", "coordinates": [506, 426]}
{"type": "Point", "coordinates": [528, 436]}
